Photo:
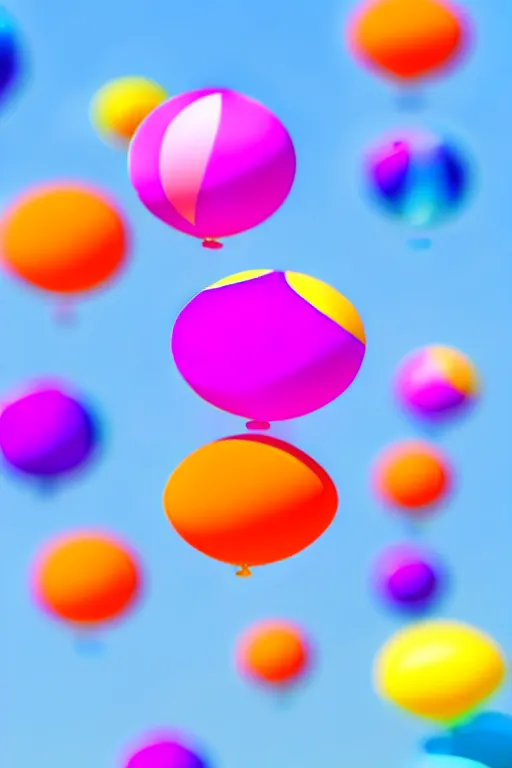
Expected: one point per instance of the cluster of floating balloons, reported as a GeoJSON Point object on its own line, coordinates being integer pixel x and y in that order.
{"type": "Point", "coordinates": [297, 344]}
{"type": "Point", "coordinates": [442, 671]}
{"type": "Point", "coordinates": [212, 164]}
{"type": "Point", "coordinates": [435, 386]}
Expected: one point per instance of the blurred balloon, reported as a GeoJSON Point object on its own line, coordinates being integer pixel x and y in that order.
{"type": "Point", "coordinates": [167, 752]}
{"type": "Point", "coordinates": [269, 345]}
{"type": "Point", "coordinates": [436, 384]}
{"type": "Point", "coordinates": [47, 431]}
{"type": "Point", "coordinates": [487, 739]}
{"type": "Point", "coordinates": [408, 40]}
{"type": "Point", "coordinates": [418, 177]}
{"type": "Point", "coordinates": [409, 578]}
{"type": "Point", "coordinates": [412, 476]}
{"type": "Point", "coordinates": [250, 500]}
{"type": "Point", "coordinates": [275, 653]}
{"type": "Point", "coordinates": [212, 163]}
{"type": "Point", "coordinates": [64, 238]}
{"type": "Point", "coordinates": [120, 106]}
{"type": "Point", "coordinates": [10, 54]}
{"type": "Point", "coordinates": [87, 579]}
{"type": "Point", "coordinates": [439, 670]}
{"type": "Point", "coordinates": [445, 761]}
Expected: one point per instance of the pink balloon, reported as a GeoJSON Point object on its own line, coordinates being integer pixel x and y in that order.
{"type": "Point", "coordinates": [212, 163]}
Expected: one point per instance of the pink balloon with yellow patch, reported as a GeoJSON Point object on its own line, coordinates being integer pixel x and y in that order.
{"type": "Point", "coordinates": [269, 345]}
{"type": "Point", "coordinates": [212, 163]}
{"type": "Point", "coordinates": [436, 383]}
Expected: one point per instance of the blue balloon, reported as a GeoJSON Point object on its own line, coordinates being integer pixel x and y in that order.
{"type": "Point", "coordinates": [420, 178]}
{"type": "Point", "coordinates": [487, 739]}
{"type": "Point", "coordinates": [10, 58]}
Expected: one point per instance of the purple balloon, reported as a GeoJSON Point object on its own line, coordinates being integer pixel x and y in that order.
{"type": "Point", "coordinates": [408, 578]}
{"type": "Point", "coordinates": [47, 433]}
{"type": "Point", "coordinates": [166, 754]}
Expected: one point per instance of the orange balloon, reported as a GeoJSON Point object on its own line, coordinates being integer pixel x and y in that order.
{"type": "Point", "coordinates": [412, 475]}
{"type": "Point", "coordinates": [87, 578]}
{"type": "Point", "coordinates": [250, 500]}
{"type": "Point", "coordinates": [408, 39]}
{"type": "Point", "coordinates": [273, 652]}
{"type": "Point", "coordinates": [64, 238]}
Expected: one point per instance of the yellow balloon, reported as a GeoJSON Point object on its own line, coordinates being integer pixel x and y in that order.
{"type": "Point", "coordinates": [440, 670]}
{"type": "Point", "coordinates": [119, 107]}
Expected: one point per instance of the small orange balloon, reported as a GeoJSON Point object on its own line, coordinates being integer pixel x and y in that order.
{"type": "Point", "coordinates": [64, 238]}
{"type": "Point", "coordinates": [273, 652]}
{"type": "Point", "coordinates": [250, 500]}
{"type": "Point", "coordinates": [408, 39]}
{"type": "Point", "coordinates": [412, 475]}
{"type": "Point", "coordinates": [87, 578]}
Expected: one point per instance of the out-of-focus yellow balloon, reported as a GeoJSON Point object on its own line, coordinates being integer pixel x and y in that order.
{"type": "Point", "coordinates": [120, 106]}
{"type": "Point", "coordinates": [440, 670]}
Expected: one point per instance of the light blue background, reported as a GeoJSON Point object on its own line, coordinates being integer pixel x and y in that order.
{"type": "Point", "coordinates": [171, 663]}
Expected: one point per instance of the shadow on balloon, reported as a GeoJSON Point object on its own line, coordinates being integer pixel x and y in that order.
{"type": "Point", "coordinates": [486, 738]}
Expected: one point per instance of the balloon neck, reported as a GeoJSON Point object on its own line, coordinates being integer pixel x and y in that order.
{"type": "Point", "coordinates": [212, 244]}
{"type": "Point", "coordinates": [257, 425]}
{"type": "Point", "coordinates": [46, 486]}
{"type": "Point", "coordinates": [411, 99]}
{"type": "Point", "coordinates": [87, 643]}
{"type": "Point", "coordinates": [420, 243]}
{"type": "Point", "coordinates": [244, 572]}
{"type": "Point", "coordinates": [65, 313]}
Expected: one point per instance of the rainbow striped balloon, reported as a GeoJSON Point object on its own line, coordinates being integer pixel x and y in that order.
{"type": "Point", "coordinates": [268, 345]}
{"type": "Point", "coordinates": [436, 383]}
{"type": "Point", "coordinates": [212, 163]}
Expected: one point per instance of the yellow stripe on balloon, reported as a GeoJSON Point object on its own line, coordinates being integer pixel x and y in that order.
{"type": "Point", "coordinates": [185, 153]}
{"type": "Point", "coordinates": [329, 302]}
{"type": "Point", "coordinates": [457, 368]}
{"type": "Point", "coordinates": [240, 277]}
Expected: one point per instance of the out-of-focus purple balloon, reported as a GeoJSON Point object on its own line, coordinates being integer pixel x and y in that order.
{"type": "Point", "coordinates": [166, 754]}
{"type": "Point", "coordinates": [47, 431]}
{"type": "Point", "coordinates": [409, 578]}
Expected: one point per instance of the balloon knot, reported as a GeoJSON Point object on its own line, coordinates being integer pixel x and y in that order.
{"type": "Point", "coordinates": [212, 244]}
{"type": "Point", "coordinates": [244, 571]}
{"type": "Point", "coordinates": [257, 425]}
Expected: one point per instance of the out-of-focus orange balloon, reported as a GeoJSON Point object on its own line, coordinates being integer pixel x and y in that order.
{"type": "Point", "coordinates": [250, 500]}
{"type": "Point", "coordinates": [408, 39]}
{"type": "Point", "coordinates": [412, 475]}
{"type": "Point", "coordinates": [87, 578]}
{"type": "Point", "coordinates": [64, 238]}
{"type": "Point", "coordinates": [276, 653]}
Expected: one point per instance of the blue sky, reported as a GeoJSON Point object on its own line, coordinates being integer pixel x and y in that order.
{"type": "Point", "coordinates": [170, 664]}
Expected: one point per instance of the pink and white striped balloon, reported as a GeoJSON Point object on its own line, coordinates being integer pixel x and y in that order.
{"type": "Point", "coordinates": [212, 163]}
